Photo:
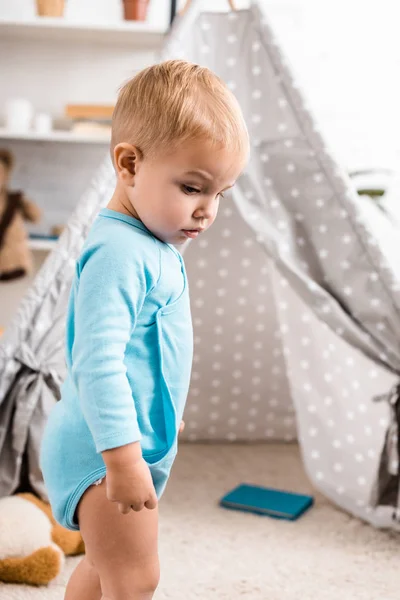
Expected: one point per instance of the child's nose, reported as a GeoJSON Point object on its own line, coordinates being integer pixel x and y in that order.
{"type": "Point", "coordinates": [205, 211]}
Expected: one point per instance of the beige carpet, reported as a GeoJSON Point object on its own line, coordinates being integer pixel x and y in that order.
{"type": "Point", "coordinates": [211, 553]}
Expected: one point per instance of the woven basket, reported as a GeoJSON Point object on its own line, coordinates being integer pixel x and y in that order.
{"type": "Point", "coordinates": [50, 8]}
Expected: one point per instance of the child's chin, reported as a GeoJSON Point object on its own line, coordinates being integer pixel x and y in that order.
{"type": "Point", "coordinates": [178, 240]}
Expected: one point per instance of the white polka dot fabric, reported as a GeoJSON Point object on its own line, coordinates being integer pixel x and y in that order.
{"type": "Point", "coordinates": [340, 428]}
{"type": "Point", "coordinates": [333, 317]}
{"type": "Point", "coordinates": [239, 385]}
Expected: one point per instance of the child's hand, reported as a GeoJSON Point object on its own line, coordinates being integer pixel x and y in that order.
{"type": "Point", "coordinates": [132, 489]}
{"type": "Point", "coordinates": [181, 427]}
{"type": "Point", "coordinates": [129, 482]}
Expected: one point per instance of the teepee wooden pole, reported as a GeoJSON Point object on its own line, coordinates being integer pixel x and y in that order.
{"type": "Point", "coordinates": [188, 3]}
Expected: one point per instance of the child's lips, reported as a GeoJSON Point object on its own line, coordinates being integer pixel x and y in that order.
{"type": "Point", "coordinates": [192, 233]}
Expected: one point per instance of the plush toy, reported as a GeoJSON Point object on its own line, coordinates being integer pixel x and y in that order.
{"type": "Point", "coordinates": [15, 255]}
{"type": "Point", "coordinates": [32, 544]}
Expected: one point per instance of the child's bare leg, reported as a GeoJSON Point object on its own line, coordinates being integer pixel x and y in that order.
{"type": "Point", "coordinates": [123, 549]}
{"type": "Point", "coordinates": [84, 583]}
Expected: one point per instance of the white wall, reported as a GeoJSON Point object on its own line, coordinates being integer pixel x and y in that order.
{"type": "Point", "coordinates": [346, 54]}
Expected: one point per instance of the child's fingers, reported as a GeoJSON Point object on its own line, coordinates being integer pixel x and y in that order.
{"type": "Point", "coordinates": [151, 502]}
{"type": "Point", "coordinates": [181, 426]}
{"type": "Point", "coordinates": [137, 507]}
{"type": "Point", "coordinates": [124, 508]}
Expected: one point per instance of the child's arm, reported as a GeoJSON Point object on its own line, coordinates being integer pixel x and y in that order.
{"type": "Point", "coordinates": [109, 297]}
{"type": "Point", "coordinates": [111, 292]}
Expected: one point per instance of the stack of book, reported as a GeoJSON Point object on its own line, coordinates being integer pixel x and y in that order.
{"type": "Point", "coordinates": [89, 119]}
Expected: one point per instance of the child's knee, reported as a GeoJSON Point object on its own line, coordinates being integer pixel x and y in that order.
{"type": "Point", "coordinates": [138, 583]}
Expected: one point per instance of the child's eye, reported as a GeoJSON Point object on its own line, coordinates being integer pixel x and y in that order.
{"type": "Point", "coordinates": [188, 189]}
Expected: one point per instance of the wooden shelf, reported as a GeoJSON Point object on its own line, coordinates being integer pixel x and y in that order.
{"type": "Point", "coordinates": [55, 136]}
{"type": "Point", "coordinates": [127, 33]}
{"type": "Point", "coordinates": [42, 245]}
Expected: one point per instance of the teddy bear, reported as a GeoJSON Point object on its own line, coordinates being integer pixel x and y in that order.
{"type": "Point", "coordinates": [15, 208]}
{"type": "Point", "coordinates": [32, 545]}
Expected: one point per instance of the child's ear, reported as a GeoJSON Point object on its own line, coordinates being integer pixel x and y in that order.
{"type": "Point", "coordinates": [126, 159]}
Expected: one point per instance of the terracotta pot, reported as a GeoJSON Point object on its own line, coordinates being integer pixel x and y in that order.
{"type": "Point", "coordinates": [135, 10]}
{"type": "Point", "coordinates": [50, 8]}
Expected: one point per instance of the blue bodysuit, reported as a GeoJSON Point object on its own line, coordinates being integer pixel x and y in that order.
{"type": "Point", "coordinates": [129, 347]}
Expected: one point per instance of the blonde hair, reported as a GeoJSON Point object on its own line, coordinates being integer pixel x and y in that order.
{"type": "Point", "coordinates": [177, 101]}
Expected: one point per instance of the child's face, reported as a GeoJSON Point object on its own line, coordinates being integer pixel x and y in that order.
{"type": "Point", "coordinates": [177, 195]}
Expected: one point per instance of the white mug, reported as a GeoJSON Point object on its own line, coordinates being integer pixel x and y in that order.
{"type": "Point", "coordinates": [18, 114]}
{"type": "Point", "coordinates": [43, 123]}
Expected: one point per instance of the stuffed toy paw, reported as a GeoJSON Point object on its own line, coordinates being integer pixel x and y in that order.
{"type": "Point", "coordinates": [32, 545]}
{"type": "Point", "coordinates": [15, 209]}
